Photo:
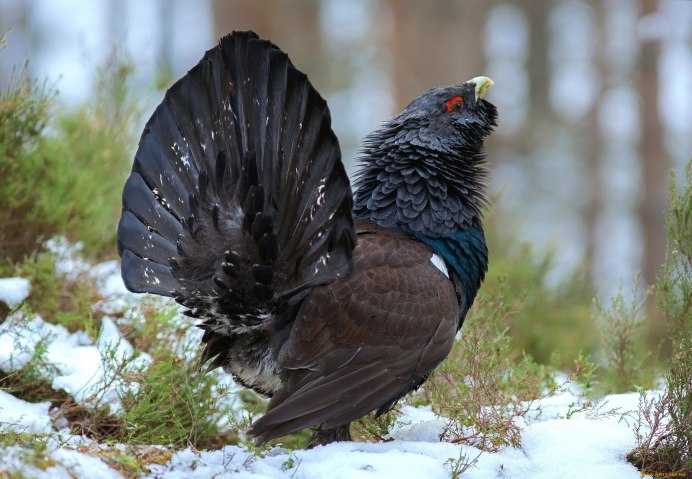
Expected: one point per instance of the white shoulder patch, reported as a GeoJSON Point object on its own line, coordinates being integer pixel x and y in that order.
{"type": "Point", "coordinates": [439, 264]}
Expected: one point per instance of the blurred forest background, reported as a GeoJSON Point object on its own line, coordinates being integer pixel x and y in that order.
{"type": "Point", "coordinates": [594, 99]}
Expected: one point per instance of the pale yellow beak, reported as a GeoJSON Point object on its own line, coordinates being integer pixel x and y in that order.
{"type": "Point", "coordinates": [482, 85]}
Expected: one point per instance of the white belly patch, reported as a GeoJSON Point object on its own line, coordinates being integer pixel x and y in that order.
{"type": "Point", "coordinates": [439, 264]}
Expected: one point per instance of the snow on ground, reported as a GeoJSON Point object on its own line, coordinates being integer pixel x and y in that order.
{"type": "Point", "coordinates": [13, 291]}
{"type": "Point", "coordinates": [62, 463]}
{"type": "Point", "coordinates": [22, 416]}
{"type": "Point", "coordinates": [566, 448]}
{"type": "Point", "coordinates": [77, 366]}
{"type": "Point", "coordinates": [556, 440]}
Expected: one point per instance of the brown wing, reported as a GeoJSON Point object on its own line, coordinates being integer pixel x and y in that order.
{"type": "Point", "coordinates": [362, 343]}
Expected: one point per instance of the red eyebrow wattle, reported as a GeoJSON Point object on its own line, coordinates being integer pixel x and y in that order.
{"type": "Point", "coordinates": [454, 100]}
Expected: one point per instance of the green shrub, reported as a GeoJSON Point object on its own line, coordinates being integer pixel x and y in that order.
{"type": "Point", "coordinates": [376, 429]}
{"type": "Point", "coordinates": [57, 298]}
{"type": "Point", "coordinates": [175, 403]}
{"type": "Point", "coordinates": [664, 426]}
{"type": "Point", "coordinates": [24, 112]}
{"type": "Point", "coordinates": [484, 385]}
{"type": "Point", "coordinates": [62, 173]}
{"type": "Point", "coordinates": [626, 362]}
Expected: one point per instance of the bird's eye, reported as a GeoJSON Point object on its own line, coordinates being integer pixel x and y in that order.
{"type": "Point", "coordinates": [455, 104]}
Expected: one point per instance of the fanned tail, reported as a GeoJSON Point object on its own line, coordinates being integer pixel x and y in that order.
{"type": "Point", "coordinates": [238, 203]}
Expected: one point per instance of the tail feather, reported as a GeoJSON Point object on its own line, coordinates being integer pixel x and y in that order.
{"type": "Point", "coordinates": [141, 200]}
{"type": "Point", "coordinates": [134, 235]}
{"type": "Point", "coordinates": [167, 175]}
{"type": "Point", "coordinates": [239, 187]}
{"type": "Point", "coordinates": [146, 276]}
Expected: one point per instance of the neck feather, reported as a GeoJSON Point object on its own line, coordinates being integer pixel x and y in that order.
{"type": "Point", "coordinates": [418, 189]}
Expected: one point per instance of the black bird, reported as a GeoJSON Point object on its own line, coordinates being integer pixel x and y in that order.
{"type": "Point", "coordinates": [332, 304]}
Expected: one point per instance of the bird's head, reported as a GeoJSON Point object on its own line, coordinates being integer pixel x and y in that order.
{"type": "Point", "coordinates": [424, 170]}
{"type": "Point", "coordinates": [449, 117]}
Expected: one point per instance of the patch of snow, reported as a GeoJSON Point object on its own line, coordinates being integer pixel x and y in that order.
{"type": "Point", "coordinates": [78, 366]}
{"type": "Point", "coordinates": [111, 341]}
{"type": "Point", "coordinates": [418, 424]}
{"type": "Point", "coordinates": [69, 262]}
{"type": "Point", "coordinates": [66, 254]}
{"type": "Point", "coordinates": [343, 460]}
{"type": "Point", "coordinates": [22, 416]}
{"type": "Point", "coordinates": [73, 463]}
{"type": "Point", "coordinates": [19, 337]}
{"type": "Point", "coordinates": [13, 291]}
{"type": "Point", "coordinates": [12, 459]}
{"type": "Point", "coordinates": [117, 298]}
{"type": "Point", "coordinates": [69, 464]}
{"type": "Point", "coordinates": [553, 407]}
{"type": "Point", "coordinates": [110, 282]}
{"type": "Point", "coordinates": [560, 448]}
{"type": "Point", "coordinates": [565, 383]}
{"type": "Point", "coordinates": [569, 448]}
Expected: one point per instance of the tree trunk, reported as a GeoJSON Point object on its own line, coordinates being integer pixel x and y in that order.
{"type": "Point", "coordinates": [654, 168]}
{"type": "Point", "coordinates": [655, 164]}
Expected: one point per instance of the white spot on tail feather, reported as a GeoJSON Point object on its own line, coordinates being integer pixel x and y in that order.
{"type": "Point", "coordinates": [439, 264]}
{"type": "Point", "coordinates": [320, 191]}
